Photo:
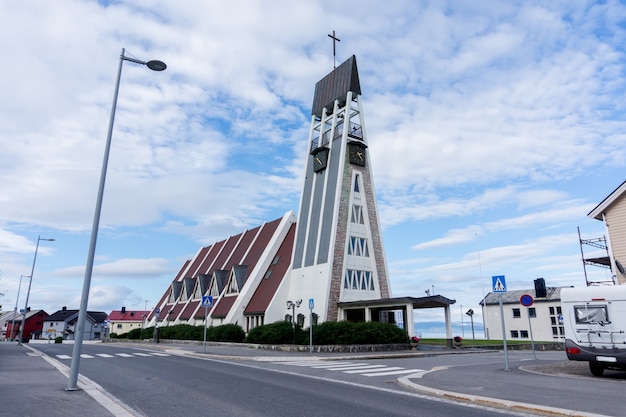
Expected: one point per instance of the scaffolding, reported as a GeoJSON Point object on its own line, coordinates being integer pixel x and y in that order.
{"type": "Point", "coordinates": [602, 261]}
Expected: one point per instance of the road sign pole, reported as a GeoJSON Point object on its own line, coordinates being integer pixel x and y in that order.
{"type": "Point", "coordinates": [532, 340]}
{"type": "Point", "coordinates": [206, 315]}
{"type": "Point", "coordinates": [506, 352]}
{"type": "Point", "coordinates": [311, 304]}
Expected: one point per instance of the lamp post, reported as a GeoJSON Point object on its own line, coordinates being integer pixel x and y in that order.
{"type": "Point", "coordinates": [30, 281]}
{"type": "Point", "coordinates": [15, 308]}
{"type": "Point", "coordinates": [82, 313]}
{"type": "Point", "coordinates": [292, 306]}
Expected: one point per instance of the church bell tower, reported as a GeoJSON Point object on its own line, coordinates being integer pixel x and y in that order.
{"type": "Point", "coordinates": [338, 252]}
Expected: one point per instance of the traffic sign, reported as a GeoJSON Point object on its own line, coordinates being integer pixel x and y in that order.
{"type": "Point", "coordinates": [311, 303]}
{"type": "Point", "coordinates": [207, 301]}
{"type": "Point", "coordinates": [526, 300]}
{"type": "Point", "coordinates": [498, 283]}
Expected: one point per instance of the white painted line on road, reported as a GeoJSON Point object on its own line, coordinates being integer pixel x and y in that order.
{"type": "Point", "coordinates": [124, 355]}
{"type": "Point", "coordinates": [398, 372]}
{"type": "Point", "coordinates": [141, 354]}
{"type": "Point", "coordinates": [104, 355]}
{"type": "Point", "coordinates": [339, 367]}
{"type": "Point", "coordinates": [364, 369]}
{"type": "Point", "coordinates": [159, 354]}
{"type": "Point", "coordinates": [85, 356]}
{"type": "Point", "coordinates": [64, 357]}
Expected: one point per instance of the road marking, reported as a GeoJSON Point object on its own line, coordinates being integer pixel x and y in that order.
{"type": "Point", "coordinates": [355, 368]}
{"type": "Point", "coordinates": [398, 372]}
{"type": "Point", "coordinates": [122, 355]}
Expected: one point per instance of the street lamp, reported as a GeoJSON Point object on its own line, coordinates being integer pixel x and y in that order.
{"type": "Point", "coordinates": [82, 313]}
{"type": "Point", "coordinates": [30, 281]}
{"type": "Point", "coordinates": [15, 308]}
{"type": "Point", "coordinates": [292, 306]}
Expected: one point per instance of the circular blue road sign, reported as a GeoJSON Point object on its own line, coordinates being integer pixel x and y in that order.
{"type": "Point", "coordinates": [526, 300]}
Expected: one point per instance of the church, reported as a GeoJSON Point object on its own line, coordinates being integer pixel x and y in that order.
{"type": "Point", "coordinates": [327, 263]}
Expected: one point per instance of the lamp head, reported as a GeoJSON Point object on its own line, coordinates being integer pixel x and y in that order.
{"type": "Point", "coordinates": [156, 65]}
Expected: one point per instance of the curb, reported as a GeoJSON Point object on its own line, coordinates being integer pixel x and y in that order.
{"type": "Point", "coordinates": [406, 382]}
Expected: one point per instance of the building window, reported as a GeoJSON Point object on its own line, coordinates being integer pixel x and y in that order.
{"type": "Point", "coordinates": [517, 313]}
{"type": "Point", "coordinates": [552, 311]}
{"type": "Point", "coordinates": [356, 183]}
{"type": "Point", "coordinates": [267, 274]}
{"type": "Point", "coordinates": [358, 280]}
{"type": "Point", "coordinates": [523, 334]}
{"type": "Point", "coordinates": [357, 214]}
{"type": "Point", "coordinates": [532, 312]}
{"type": "Point", "coordinates": [358, 247]}
{"type": "Point", "coordinates": [119, 326]}
{"type": "Point", "coordinates": [514, 334]}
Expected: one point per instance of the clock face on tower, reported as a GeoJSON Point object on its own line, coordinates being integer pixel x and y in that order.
{"type": "Point", "coordinates": [356, 154]}
{"type": "Point", "coordinates": [320, 159]}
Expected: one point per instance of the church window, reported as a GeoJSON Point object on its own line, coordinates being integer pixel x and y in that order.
{"type": "Point", "coordinates": [356, 183]}
{"type": "Point", "coordinates": [268, 274]}
{"type": "Point", "coordinates": [358, 247]}
{"type": "Point", "coordinates": [358, 280]}
{"type": "Point", "coordinates": [276, 259]}
{"type": "Point", "coordinates": [357, 214]}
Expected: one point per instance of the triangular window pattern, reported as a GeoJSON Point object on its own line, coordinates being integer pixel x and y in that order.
{"type": "Point", "coordinates": [356, 183]}
{"type": "Point", "coordinates": [357, 214]}
{"type": "Point", "coordinates": [358, 280]}
{"type": "Point", "coordinates": [358, 247]}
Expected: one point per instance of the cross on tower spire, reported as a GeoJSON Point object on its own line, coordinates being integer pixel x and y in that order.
{"type": "Point", "coordinates": [335, 40]}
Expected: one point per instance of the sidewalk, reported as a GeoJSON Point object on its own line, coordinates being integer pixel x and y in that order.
{"type": "Point", "coordinates": [33, 387]}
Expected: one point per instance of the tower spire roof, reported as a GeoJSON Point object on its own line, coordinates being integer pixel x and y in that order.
{"type": "Point", "coordinates": [336, 85]}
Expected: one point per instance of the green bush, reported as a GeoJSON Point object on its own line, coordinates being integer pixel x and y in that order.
{"type": "Point", "coordinates": [226, 333]}
{"type": "Point", "coordinates": [58, 339]}
{"type": "Point", "coordinates": [348, 333]}
{"type": "Point", "coordinates": [279, 332]}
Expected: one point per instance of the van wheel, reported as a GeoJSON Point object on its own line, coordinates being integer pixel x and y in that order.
{"type": "Point", "coordinates": [596, 369]}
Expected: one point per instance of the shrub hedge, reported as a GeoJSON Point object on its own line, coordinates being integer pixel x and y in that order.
{"type": "Point", "coordinates": [329, 333]}
{"type": "Point", "coordinates": [281, 332]}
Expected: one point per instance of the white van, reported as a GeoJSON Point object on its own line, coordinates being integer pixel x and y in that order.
{"type": "Point", "coordinates": [594, 320]}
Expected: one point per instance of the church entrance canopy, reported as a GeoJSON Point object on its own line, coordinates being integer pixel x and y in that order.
{"type": "Point", "coordinates": [384, 310]}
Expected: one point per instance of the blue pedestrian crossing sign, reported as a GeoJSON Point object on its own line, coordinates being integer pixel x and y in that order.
{"type": "Point", "coordinates": [498, 283]}
{"type": "Point", "coordinates": [207, 301]}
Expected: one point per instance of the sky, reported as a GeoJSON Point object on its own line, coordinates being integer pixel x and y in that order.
{"type": "Point", "coordinates": [494, 128]}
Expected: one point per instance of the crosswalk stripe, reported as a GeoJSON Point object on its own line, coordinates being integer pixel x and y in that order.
{"type": "Point", "coordinates": [124, 355]}
{"type": "Point", "coordinates": [398, 372]}
{"type": "Point", "coordinates": [64, 357]}
{"type": "Point", "coordinates": [141, 354]}
{"type": "Point", "coordinates": [355, 368]}
{"type": "Point", "coordinates": [104, 355]}
{"type": "Point", "coordinates": [159, 354]}
{"type": "Point", "coordinates": [85, 356]}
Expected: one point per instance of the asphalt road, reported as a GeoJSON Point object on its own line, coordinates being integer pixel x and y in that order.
{"type": "Point", "coordinates": [162, 386]}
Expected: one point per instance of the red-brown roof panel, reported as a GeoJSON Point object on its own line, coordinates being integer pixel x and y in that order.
{"type": "Point", "coordinates": [261, 243]}
{"type": "Point", "coordinates": [237, 256]}
{"type": "Point", "coordinates": [223, 307]}
{"type": "Point", "coordinates": [267, 287]}
{"type": "Point", "coordinates": [188, 311]}
{"type": "Point", "coordinates": [208, 264]}
{"type": "Point", "coordinates": [197, 261]}
{"type": "Point", "coordinates": [222, 260]}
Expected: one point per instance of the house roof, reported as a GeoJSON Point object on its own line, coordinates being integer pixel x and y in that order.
{"type": "Point", "coordinates": [596, 213]}
{"type": "Point", "coordinates": [128, 315]}
{"type": "Point", "coordinates": [68, 315]}
{"type": "Point", "coordinates": [29, 315]}
{"type": "Point", "coordinates": [513, 297]}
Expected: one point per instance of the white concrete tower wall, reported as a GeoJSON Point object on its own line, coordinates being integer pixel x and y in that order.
{"type": "Point", "coordinates": [338, 253]}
